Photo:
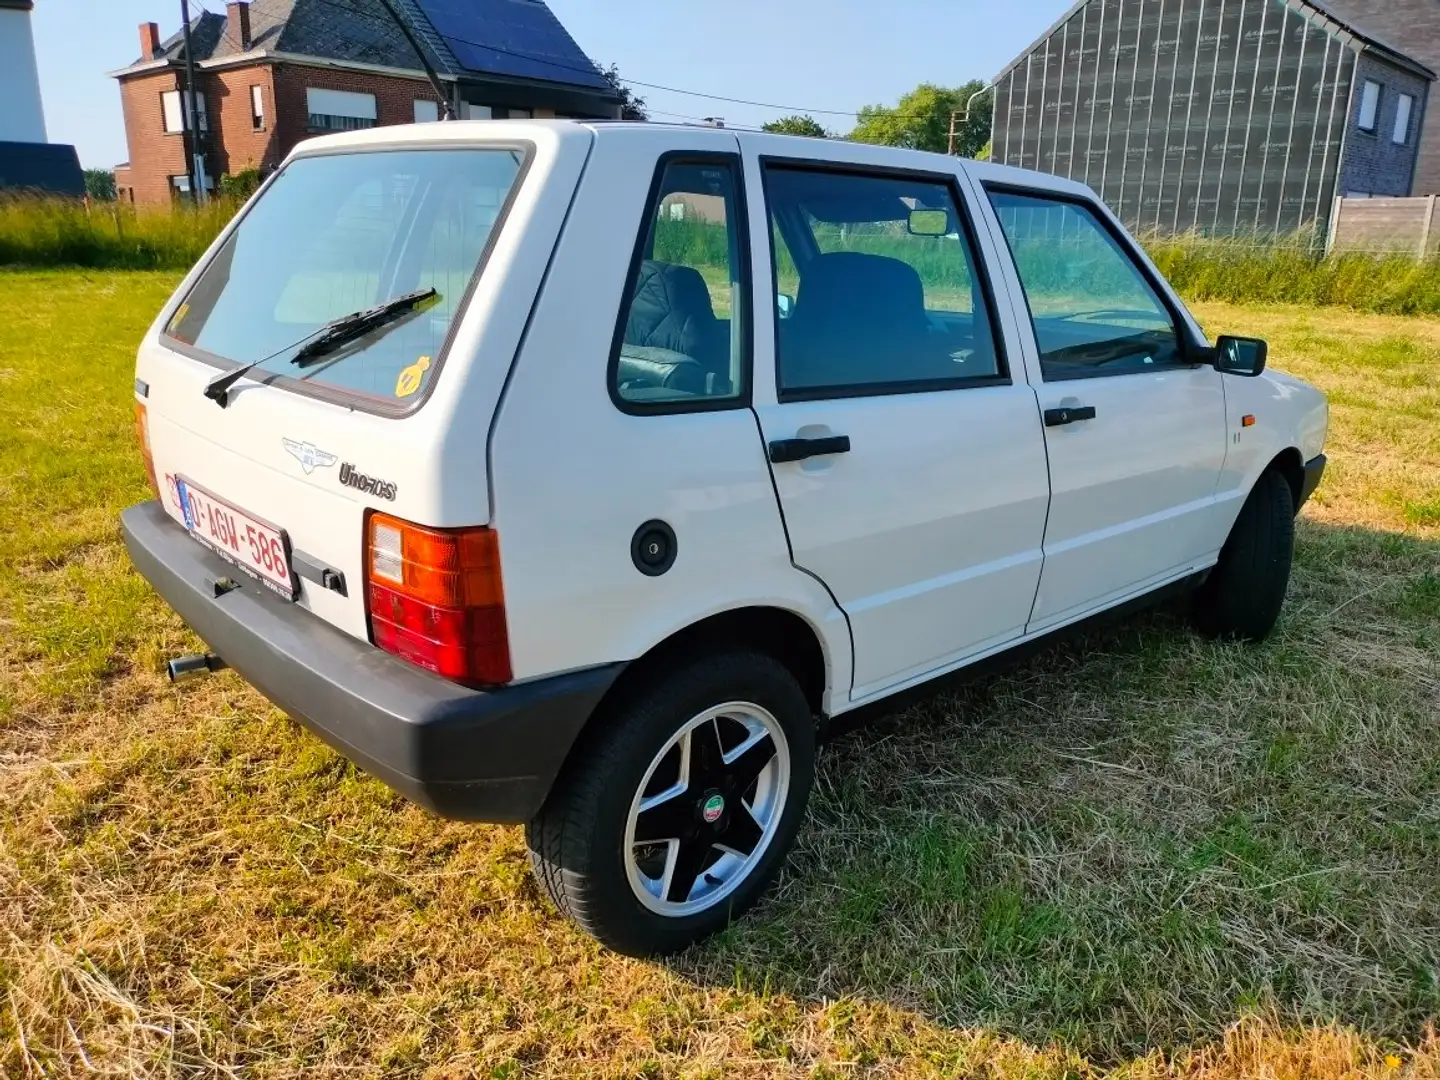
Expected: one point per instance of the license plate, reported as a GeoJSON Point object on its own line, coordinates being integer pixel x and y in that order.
{"type": "Point", "coordinates": [257, 547]}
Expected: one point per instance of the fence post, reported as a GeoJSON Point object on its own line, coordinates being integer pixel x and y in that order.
{"type": "Point", "coordinates": [1429, 224]}
{"type": "Point", "coordinates": [1334, 225]}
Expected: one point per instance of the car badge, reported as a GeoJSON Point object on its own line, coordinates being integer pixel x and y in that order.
{"type": "Point", "coordinates": [310, 456]}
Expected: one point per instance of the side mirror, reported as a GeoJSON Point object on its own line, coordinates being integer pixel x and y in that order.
{"type": "Point", "coordinates": [929, 222]}
{"type": "Point", "coordinates": [784, 305]}
{"type": "Point", "coordinates": [1240, 356]}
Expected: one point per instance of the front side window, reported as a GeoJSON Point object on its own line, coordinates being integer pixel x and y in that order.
{"type": "Point", "coordinates": [878, 286]}
{"type": "Point", "coordinates": [1093, 311]}
{"type": "Point", "coordinates": [1369, 105]}
{"type": "Point", "coordinates": [682, 328]}
{"type": "Point", "coordinates": [339, 233]}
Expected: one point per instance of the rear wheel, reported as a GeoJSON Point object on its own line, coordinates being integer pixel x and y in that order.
{"type": "Point", "coordinates": [673, 820]}
{"type": "Point", "coordinates": [1243, 595]}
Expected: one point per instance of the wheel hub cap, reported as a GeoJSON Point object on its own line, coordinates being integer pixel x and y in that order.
{"type": "Point", "coordinates": [713, 809]}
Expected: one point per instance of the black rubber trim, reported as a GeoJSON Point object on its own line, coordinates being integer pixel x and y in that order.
{"type": "Point", "coordinates": [480, 755]}
{"type": "Point", "coordinates": [1314, 472]}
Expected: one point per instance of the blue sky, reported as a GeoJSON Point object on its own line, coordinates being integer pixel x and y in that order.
{"type": "Point", "coordinates": [817, 54]}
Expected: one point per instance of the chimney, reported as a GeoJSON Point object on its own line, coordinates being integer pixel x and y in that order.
{"type": "Point", "coordinates": [237, 23]}
{"type": "Point", "coordinates": [149, 40]}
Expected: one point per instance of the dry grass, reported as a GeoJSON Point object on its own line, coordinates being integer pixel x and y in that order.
{"type": "Point", "coordinates": [1142, 855]}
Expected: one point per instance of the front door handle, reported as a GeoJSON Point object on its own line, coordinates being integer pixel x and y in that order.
{"type": "Point", "coordinates": [782, 450]}
{"type": "Point", "coordinates": [1069, 414]}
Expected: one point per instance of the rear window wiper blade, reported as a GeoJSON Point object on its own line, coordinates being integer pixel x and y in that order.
{"type": "Point", "coordinates": [328, 338]}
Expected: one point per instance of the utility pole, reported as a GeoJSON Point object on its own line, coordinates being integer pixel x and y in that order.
{"type": "Point", "coordinates": [190, 124]}
{"type": "Point", "coordinates": [447, 110]}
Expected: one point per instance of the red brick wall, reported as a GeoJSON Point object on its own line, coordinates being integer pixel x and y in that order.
{"type": "Point", "coordinates": [394, 97]}
{"type": "Point", "coordinates": [240, 146]}
{"type": "Point", "coordinates": [154, 155]}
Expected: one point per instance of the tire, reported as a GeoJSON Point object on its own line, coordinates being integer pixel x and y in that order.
{"type": "Point", "coordinates": [632, 895]}
{"type": "Point", "coordinates": [1243, 595]}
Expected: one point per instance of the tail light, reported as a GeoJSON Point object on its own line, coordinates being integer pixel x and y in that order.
{"type": "Point", "coordinates": [142, 431]}
{"type": "Point", "coordinates": [435, 599]}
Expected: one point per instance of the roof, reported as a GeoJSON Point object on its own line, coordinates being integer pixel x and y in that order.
{"type": "Point", "coordinates": [1344, 26]}
{"type": "Point", "coordinates": [461, 38]}
{"type": "Point", "coordinates": [49, 167]}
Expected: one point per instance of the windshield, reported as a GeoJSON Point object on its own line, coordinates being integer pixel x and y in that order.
{"type": "Point", "coordinates": [341, 233]}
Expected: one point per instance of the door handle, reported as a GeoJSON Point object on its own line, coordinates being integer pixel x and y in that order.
{"type": "Point", "coordinates": [1069, 414]}
{"type": "Point", "coordinates": [782, 450]}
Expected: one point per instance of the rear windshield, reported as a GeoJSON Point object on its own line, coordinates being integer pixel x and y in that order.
{"type": "Point", "coordinates": [340, 233]}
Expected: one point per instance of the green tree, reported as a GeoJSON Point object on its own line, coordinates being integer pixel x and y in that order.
{"type": "Point", "coordinates": [799, 124]}
{"type": "Point", "coordinates": [631, 107]}
{"type": "Point", "coordinates": [100, 184]}
{"type": "Point", "coordinates": [921, 119]}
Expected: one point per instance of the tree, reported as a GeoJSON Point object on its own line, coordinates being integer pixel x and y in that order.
{"type": "Point", "coordinates": [921, 119]}
{"type": "Point", "coordinates": [799, 124]}
{"type": "Point", "coordinates": [631, 106]}
{"type": "Point", "coordinates": [100, 184]}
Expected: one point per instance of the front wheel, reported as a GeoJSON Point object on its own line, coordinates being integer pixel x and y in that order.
{"type": "Point", "coordinates": [673, 820]}
{"type": "Point", "coordinates": [1243, 595]}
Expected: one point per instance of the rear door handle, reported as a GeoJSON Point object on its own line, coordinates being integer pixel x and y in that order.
{"type": "Point", "coordinates": [1069, 414]}
{"type": "Point", "coordinates": [782, 450]}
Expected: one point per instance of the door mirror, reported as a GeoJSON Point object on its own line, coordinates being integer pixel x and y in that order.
{"type": "Point", "coordinates": [784, 305]}
{"type": "Point", "coordinates": [929, 222]}
{"type": "Point", "coordinates": [1240, 356]}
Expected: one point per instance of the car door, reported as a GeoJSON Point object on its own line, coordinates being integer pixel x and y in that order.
{"type": "Point", "coordinates": [908, 463]}
{"type": "Point", "coordinates": [1134, 428]}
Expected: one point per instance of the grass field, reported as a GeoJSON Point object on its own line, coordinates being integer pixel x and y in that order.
{"type": "Point", "coordinates": [1142, 854]}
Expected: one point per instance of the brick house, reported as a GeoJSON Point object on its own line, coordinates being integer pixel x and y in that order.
{"type": "Point", "coordinates": [271, 74]}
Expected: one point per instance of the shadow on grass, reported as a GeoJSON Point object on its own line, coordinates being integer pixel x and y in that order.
{"type": "Point", "coordinates": [1139, 834]}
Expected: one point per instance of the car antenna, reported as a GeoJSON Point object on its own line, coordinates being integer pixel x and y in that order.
{"type": "Point", "coordinates": [447, 110]}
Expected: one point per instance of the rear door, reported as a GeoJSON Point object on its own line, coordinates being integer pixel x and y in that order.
{"type": "Point", "coordinates": [395, 421]}
{"type": "Point", "coordinates": [909, 464]}
{"type": "Point", "coordinates": [1134, 428]}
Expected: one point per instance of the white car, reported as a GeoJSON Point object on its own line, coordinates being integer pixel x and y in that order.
{"type": "Point", "coordinates": [576, 474]}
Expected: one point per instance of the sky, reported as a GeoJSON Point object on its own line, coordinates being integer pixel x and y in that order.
{"type": "Point", "coordinates": [804, 55]}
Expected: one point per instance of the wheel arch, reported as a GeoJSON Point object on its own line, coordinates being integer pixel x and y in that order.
{"type": "Point", "coordinates": [1291, 465]}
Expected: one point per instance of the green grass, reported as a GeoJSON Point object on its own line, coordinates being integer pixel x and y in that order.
{"type": "Point", "coordinates": [1141, 854]}
{"type": "Point", "coordinates": [50, 232]}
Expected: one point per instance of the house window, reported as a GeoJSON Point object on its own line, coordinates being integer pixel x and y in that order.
{"type": "Point", "coordinates": [476, 112]}
{"type": "Point", "coordinates": [426, 112]}
{"type": "Point", "coordinates": [172, 109]}
{"type": "Point", "coordinates": [1402, 120]}
{"type": "Point", "coordinates": [257, 109]}
{"type": "Point", "coordinates": [518, 114]}
{"type": "Point", "coordinates": [1369, 105]}
{"type": "Point", "coordinates": [339, 110]}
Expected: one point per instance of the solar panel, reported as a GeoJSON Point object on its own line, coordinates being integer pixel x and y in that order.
{"type": "Point", "coordinates": [511, 37]}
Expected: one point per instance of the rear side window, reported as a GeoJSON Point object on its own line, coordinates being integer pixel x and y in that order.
{"type": "Point", "coordinates": [1093, 310]}
{"type": "Point", "coordinates": [340, 233]}
{"type": "Point", "coordinates": [682, 330]}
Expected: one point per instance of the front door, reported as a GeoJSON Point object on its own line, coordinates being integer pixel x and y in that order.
{"type": "Point", "coordinates": [910, 469]}
{"type": "Point", "coordinates": [1134, 429]}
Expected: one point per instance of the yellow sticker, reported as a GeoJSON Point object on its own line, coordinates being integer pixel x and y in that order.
{"type": "Point", "coordinates": [179, 316]}
{"type": "Point", "coordinates": [410, 377]}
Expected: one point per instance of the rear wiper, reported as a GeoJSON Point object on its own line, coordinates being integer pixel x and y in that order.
{"type": "Point", "coordinates": [334, 335]}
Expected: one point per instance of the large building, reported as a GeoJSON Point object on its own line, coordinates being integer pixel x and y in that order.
{"type": "Point", "coordinates": [1218, 116]}
{"type": "Point", "coordinates": [271, 74]}
{"type": "Point", "coordinates": [28, 160]}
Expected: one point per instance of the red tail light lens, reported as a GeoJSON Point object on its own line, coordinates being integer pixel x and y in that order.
{"type": "Point", "coordinates": [142, 432]}
{"type": "Point", "coordinates": [435, 599]}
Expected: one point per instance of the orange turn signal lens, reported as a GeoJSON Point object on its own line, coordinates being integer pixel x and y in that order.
{"type": "Point", "coordinates": [1248, 420]}
{"type": "Point", "coordinates": [142, 432]}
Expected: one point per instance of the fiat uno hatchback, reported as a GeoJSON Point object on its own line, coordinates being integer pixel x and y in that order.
{"type": "Point", "coordinates": [573, 474]}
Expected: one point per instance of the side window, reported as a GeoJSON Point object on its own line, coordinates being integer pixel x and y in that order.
{"type": "Point", "coordinates": [1093, 311]}
{"type": "Point", "coordinates": [682, 328]}
{"type": "Point", "coordinates": [886, 294]}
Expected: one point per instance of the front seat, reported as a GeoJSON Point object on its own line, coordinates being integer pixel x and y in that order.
{"type": "Point", "coordinates": [859, 319]}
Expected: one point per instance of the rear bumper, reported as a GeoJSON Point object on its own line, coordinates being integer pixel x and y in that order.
{"type": "Point", "coordinates": [1314, 471]}
{"type": "Point", "coordinates": [477, 755]}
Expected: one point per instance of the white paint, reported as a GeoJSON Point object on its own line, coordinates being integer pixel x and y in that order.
{"type": "Point", "coordinates": [928, 541]}
{"type": "Point", "coordinates": [22, 115]}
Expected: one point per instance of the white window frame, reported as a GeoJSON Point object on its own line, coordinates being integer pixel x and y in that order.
{"type": "Point", "coordinates": [476, 112]}
{"type": "Point", "coordinates": [257, 108]}
{"type": "Point", "coordinates": [426, 111]}
{"type": "Point", "coordinates": [1370, 95]}
{"type": "Point", "coordinates": [1403, 112]}
{"type": "Point", "coordinates": [174, 111]}
{"type": "Point", "coordinates": [340, 110]}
